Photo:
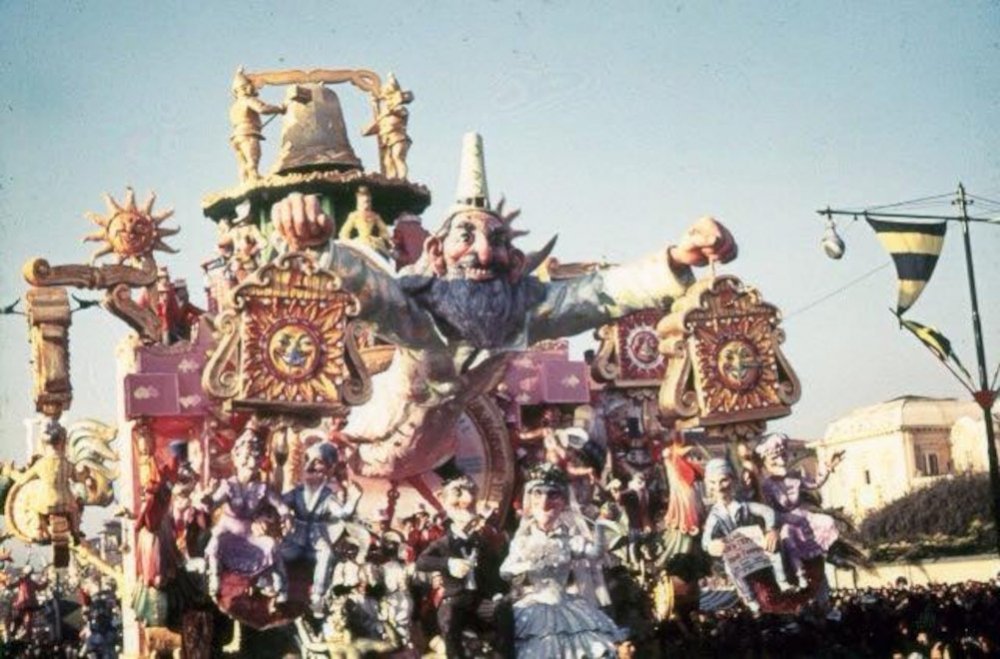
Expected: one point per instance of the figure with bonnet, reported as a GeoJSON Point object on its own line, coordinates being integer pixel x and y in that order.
{"type": "Point", "coordinates": [553, 542]}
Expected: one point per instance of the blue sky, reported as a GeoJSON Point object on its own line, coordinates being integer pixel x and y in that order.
{"type": "Point", "coordinates": [611, 124]}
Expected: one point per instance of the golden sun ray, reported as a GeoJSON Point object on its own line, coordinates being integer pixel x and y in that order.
{"type": "Point", "coordinates": [101, 252]}
{"type": "Point", "coordinates": [96, 219]}
{"type": "Point", "coordinates": [325, 387]}
{"type": "Point", "coordinates": [113, 207]}
{"type": "Point", "coordinates": [161, 217]}
{"type": "Point", "coordinates": [163, 247]}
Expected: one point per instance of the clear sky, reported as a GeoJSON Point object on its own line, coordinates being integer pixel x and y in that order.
{"type": "Point", "coordinates": [612, 124]}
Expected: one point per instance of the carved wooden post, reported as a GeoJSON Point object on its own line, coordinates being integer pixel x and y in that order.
{"type": "Point", "coordinates": [48, 314]}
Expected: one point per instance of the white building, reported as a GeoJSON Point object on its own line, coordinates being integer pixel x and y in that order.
{"type": "Point", "coordinates": [898, 446]}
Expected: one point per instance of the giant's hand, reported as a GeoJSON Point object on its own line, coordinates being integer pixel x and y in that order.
{"type": "Point", "coordinates": [300, 220]}
{"type": "Point", "coordinates": [704, 242]}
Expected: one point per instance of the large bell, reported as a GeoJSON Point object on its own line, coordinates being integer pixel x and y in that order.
{"type": "Point", "coordinates": [313, 133]}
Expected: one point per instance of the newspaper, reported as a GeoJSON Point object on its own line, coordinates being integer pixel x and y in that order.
{"type": "Point", "coordinates": [744, 551]}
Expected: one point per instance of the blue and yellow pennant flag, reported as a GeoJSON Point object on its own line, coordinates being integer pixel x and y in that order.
{"type": "Point", "coordinates": [914, 249]}
{"type": "Point", "coordinates": [939, 344]}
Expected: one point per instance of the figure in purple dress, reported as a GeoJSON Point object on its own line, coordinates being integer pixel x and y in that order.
{"type": "Point", "coordinates": [240, 541]}
{"type": "Point", "coordinates": [806, 536]}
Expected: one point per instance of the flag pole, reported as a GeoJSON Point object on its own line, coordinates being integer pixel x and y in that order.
{"type": "Point", "coordinates": [985, 396]}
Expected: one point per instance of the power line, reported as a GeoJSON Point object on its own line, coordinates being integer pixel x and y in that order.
{"type": "Point", "coordinates": [986, 200]}
{"type": "Point", "coordinates": [837, 291]}
{"type": "Point", "coordinates": [947, 195]}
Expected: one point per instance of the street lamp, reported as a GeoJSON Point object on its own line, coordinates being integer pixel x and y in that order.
{"type": "Point", "coordinates": [833, 244]}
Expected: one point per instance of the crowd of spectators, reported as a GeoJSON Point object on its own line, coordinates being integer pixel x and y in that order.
{"type": "Point", "coordinates": [937, 621]}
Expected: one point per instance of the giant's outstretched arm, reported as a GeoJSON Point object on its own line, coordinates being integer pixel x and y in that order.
{"type": "Point", "coordinates": [576, 305]}
{"type": "Point", "coordinates": [384, 305]}
{"type": "Point", "coordinates": [302, 223]}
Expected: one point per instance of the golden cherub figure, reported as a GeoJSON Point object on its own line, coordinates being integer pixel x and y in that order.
{"type": "Point", "coordinates": [365, 225]}
{"type": "Point", "coordinates": [391, 118]}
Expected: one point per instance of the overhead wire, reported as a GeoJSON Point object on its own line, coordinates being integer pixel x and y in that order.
{"type": "Point", "coordinates": [982, 198]}
{"type": "Point", "coordinates": [833, 293]}
{"type": "Point", "coordinates": [897, 204]}
{"type": "Point", "coordinates": [931, 201]}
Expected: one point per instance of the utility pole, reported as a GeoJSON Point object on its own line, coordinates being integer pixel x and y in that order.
{"type": "Point", "coordinates": [985, 396]}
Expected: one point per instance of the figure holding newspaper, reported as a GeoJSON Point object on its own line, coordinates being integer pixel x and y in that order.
{"type": "Point", "coordinates": [744, 535]}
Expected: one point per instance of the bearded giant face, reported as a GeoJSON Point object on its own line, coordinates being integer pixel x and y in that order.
{"type": "Point", "coordinates": [476, 246]}
{"type": "Point", "coordinates": [477, 294]}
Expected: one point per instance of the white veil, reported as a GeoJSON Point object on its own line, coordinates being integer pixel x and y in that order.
{"type": "Point", "coordinates": [587, 547]}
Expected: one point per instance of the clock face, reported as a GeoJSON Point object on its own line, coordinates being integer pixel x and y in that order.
{"type": "Point", "coordinates": [480, 447]}
{"type": "Point", "coordinates": [23, 508]}
{"type": "Point", "coordinates": [738, 364]}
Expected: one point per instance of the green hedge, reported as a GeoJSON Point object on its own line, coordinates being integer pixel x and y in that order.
{"type": "Point", "coordinates": [949, 518]}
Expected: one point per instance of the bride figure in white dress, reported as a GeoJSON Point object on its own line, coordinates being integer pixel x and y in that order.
{"type": "Point", "coordinates": [551, 618]}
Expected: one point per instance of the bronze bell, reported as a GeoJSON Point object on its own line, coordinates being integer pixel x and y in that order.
{"type": "Point", "coordinates": [313, 134]}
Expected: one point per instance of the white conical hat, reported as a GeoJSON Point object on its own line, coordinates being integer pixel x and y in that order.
{"type": "Point", "coordinates": [472, 192]}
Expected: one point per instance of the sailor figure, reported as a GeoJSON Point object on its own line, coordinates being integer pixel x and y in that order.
{"type": "Point", "coordinates": [319, 516]}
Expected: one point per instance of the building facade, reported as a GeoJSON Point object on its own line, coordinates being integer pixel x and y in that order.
{"type": "Point", "coordinates": [896, 447]}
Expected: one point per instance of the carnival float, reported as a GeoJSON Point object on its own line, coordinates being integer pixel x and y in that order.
{"type": "Point", "coordinates": [372, 439]}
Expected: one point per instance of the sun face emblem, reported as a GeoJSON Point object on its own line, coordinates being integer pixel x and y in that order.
{"type": "Point", "coordinates": [129, 232]}
{"type": "Point", "coordinates": [293, 351]}
{"type": "Point", "coordinates": [738, 364]}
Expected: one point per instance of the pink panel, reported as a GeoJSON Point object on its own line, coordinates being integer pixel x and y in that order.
{"type": "Point", "coordinates": [565, 382]}
{"type": "Point", "coordinates": [523, 379]}
{"type": "Point", "coordinates": [191, 400]}
{"type": "Point", "coordinates": [151, 394]}
{"type": "Point", "coordinates": [181, 365]}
